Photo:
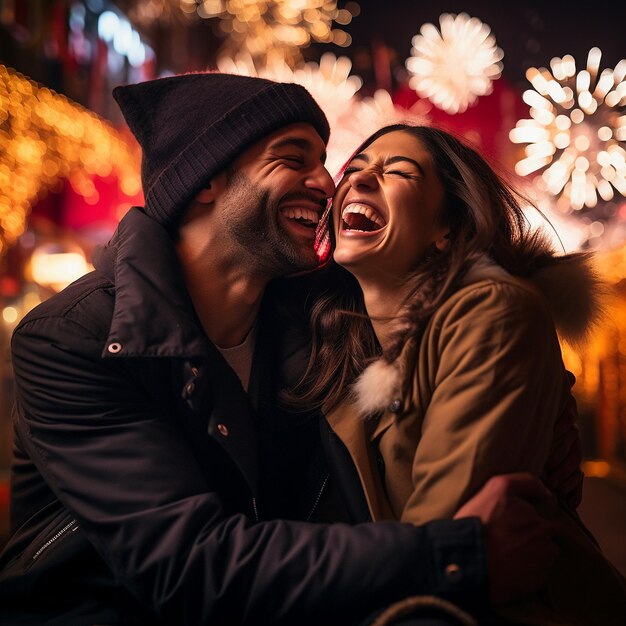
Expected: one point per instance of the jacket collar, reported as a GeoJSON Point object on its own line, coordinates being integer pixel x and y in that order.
{"type": "Point", "coordinates": [568, 286]}
{"type": "Point", "coordinates": [153, 314]}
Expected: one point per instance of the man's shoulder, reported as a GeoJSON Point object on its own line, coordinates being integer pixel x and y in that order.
{"type": "Point", "coordinates": [87, 302]}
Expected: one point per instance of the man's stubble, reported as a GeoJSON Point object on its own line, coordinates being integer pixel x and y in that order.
{"type": "Point", "coordinates": [251, 217]}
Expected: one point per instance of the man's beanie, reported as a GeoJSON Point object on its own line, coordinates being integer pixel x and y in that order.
{"type": "Point", "coordinates": [190, 127]}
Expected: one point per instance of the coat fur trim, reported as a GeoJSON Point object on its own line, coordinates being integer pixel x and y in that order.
{"type": "Point", "coordinates": [377, 387]}
{"type": "Point", "coordinates": [575, 295]}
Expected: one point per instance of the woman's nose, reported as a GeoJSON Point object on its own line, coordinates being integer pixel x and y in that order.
{"type": "Point", "coordinates": [363, 178]}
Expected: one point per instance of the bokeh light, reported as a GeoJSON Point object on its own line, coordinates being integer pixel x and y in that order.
{"type": "Point", "coordinates": [264, 29]}
{"type": "Point", "coordinates": [44, 138]}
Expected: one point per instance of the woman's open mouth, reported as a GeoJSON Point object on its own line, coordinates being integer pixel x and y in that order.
{"type": "Point", "coordinates": [362, 218]}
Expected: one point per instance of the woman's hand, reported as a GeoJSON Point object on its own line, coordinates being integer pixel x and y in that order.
{"type": "Point", "coordinates": [515, 510]}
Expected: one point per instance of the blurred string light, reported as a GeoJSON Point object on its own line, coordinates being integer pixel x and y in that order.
{"type": "Point", "coordinates": [275, 28]}
{"type": "Point", "coordinates": [126, 41]}
{"type": "Point", "coordinates": [261, 28]}
{"type": "Point", "coordinates": [148, 12]}
{"type": "Point", "coordinates": [577, 132]}
{"type": "Point", "coordinates": [51, 265]}
{"type": "Point", "coordinates": [600, 365]}
{"type": "Point", "coordinates": [456, 65]}
{"type": "Point", "coordinates": [44, 138]}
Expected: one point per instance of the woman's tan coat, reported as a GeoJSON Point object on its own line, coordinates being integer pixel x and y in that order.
{"type": "Point", "coordinates": [477, 395]}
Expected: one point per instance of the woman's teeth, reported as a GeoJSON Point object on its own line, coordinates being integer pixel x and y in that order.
{"type": "Point", "coordinates": [361, 217]}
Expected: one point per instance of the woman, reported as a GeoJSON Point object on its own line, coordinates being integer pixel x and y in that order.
{"type": "Point", "coordinates": [439, 366]}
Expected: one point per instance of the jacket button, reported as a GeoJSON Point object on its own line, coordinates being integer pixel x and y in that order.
{"type": "Point", "coordinates": [223, 430]}
{"type": "Point", "coordinates": [189, 389]}
{"type": "Point", "coordinates": [394, 407]}
{"type": "Point", "coordinates": [453, 572]}
{"type": "Point", "coordinates": [114, 347]}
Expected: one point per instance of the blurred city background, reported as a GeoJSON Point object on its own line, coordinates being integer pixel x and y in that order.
{"type": "Point", "coordinates": [538, 86]}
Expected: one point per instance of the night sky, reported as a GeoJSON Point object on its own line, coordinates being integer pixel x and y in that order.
{"type": "Point", "coordinates": [529, 33]}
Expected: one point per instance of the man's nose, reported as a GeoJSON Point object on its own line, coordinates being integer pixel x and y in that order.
{"type": "Point", "coordinates": [321, 180]}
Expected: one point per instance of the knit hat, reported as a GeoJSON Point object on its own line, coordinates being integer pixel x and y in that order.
{"type": "Point", "coordinates": [190, 127]}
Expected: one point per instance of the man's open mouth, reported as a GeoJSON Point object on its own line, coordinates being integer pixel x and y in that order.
{"type": "Point", "coordinates": [303, 216]}
{"type": "Point", "coordinates": [362, 218]}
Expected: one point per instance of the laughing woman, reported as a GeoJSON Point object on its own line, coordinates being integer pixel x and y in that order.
{"type": "Point", "coordinates": [436, 358]}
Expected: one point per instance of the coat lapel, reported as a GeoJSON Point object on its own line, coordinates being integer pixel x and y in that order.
{"type": "Point", "coordinates": [239, 411]}
{"type": "Point", "coordinates": [231, 422]}
{"type": "Point", "coordinates": [382, 425]}
{"type": "Point", "coordinates": [355, 433]}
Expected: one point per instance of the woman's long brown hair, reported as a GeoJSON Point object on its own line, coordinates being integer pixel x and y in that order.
{"type": "Point", "coordinates": [484, 215]}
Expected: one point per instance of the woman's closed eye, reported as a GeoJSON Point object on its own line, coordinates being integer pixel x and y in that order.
{"type": "Point", "coordinates": [385, 172]}
{"type": "Point", "coordinates": [402, 173]}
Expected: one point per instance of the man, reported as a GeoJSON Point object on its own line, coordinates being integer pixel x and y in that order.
{"type": "Point", "coordinates": [147, 484]}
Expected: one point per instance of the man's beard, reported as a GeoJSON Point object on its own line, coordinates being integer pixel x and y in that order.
{"type": "Point", "coordinates": [252, 219]}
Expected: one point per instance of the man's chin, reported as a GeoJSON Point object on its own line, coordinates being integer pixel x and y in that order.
{"type": "Point", "coordinates": [300, 259]}
{"type": "Point", "coordinates": [301, 252]}
{"type": "Point", "coordinates": [305, 264]}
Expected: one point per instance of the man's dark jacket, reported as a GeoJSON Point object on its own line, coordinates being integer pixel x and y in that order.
{"type": "Point", "coordinates": [145, 481]}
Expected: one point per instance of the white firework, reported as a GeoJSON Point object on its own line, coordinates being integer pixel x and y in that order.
{"type": "Point", "coordinates": [576, 132]}
{"type": "Point", "coordinates": [329, 82]}
{"type": "Point", "coordinates": [456, 65]}
{"type": "Point", "coordinates": [373, 112]}
{"type": "Point", "coordinates": [364, 117]}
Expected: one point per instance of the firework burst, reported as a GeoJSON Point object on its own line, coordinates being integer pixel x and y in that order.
{"type": "Point", "coordinates": [329, 82]}
{"type": "Point", "coordinates": [576, 132]}
{"type": "Point", "coordinates": [456, 65]}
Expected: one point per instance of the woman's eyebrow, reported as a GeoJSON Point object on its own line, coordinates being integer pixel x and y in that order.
{"type": "Point", "coordinates": [390, 160]}
{"type": "Point", "coordinates": [398, 158]}
{"type": "Point", "coordinates": [361, 156]}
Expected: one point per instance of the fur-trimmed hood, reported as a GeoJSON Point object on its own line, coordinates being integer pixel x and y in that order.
{"type": "Point", "coordinates": [570, 286]}
{"type": "Point", "coordinates": [574, 296]}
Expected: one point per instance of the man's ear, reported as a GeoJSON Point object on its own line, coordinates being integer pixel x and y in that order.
{"type": "Point", "coordinates": [211, 189]}
{"type": "Point", "coordinates": [443, 242]}
{"type": "Point", "coordinates": [206, 195]}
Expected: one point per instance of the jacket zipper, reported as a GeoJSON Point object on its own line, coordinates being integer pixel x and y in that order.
{"type": "Point", "coordinates": [315, 503]}
{"type": "Point", "coordinates": [256, 512]}
{"type": "Point", "coordinates": [318, 498]}
{"type": "Point", "coordinates": [55, 537]}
